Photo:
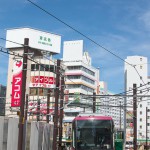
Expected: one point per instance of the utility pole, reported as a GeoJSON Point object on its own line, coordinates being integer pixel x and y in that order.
{"type": "Point", "coordinates": [38, 106]}
{"type": "Point", "coordinates": [25, 123]}
{"type": "Point", "coordinates": [23, 87]}
{"type": "Point", "coordinates": [26, 110]}
{"type": "Point", "coordinates": [120, 117]}
{"type": "Point", "coordinates": [94, 101]}
{"type": "Point", "coordinates": [56, 106]}
{"type": "Point", "coordinates": [61, 112]}
{"type": "Point", "coordinates": [48, 103]}
{"type": "Point", "coordinates": [135, 116]}
{"type": "Point", "coordinates": [146, 130]}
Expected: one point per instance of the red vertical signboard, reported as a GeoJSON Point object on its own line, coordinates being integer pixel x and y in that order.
{"type": "Point", "coordinates": [16, 83]}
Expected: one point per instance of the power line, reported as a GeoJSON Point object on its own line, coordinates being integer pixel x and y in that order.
{"type": "Point", "coordinates": [83, 35]}
{"type": "Point", "coordinates": [77, 31]}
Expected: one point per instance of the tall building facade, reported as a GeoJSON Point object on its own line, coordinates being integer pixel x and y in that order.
{"type": "Point", "coordinates": [111, 106]}
{"type": "Point", "coordinates": [41, 70]}
{"type": "Point", "coordinates": [2, 99]}
{"type": "Point", "coordinates": [137, 74]}
{"type": "Point", "coordinates": [81, 77]}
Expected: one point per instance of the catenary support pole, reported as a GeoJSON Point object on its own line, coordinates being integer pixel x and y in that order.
{"type": "Point", "coordinates": [55, 133]}
{"type": "Point", "coordinates": [61, 112]}
{"type": "Point", "coordinates": [94, 102]}
{"type": "Point", "coordinates": [38, 106]}
{"type": "Point", "coordinates": [135, 116]}
{"type": "Point", "coordinates": [26, 110]}
{"type": "Point", "coordinates": [146, 130]}
{"type": "Point", "coordinates": [48, 104]}
{"type": "Point", "coordinates": [120, 117]}
{"type": "Point", "coordinates": [23, 88]}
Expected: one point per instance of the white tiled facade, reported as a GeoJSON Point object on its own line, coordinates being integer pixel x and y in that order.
{"type": "Point", "coordinates": [138, 74]}
{"type": "Point", "coordinates": [110, 106]}
{"type": "Point", "coordinates": [81, 77]}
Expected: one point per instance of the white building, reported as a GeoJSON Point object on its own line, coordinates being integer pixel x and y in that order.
{"type": "Point", "coordinates": [137, 74]}
{"type": "Point", "coordinates": [81, 77]}
{"type": "Point", "coordinates": [110, 106]}
{"type": "Point", "coordinates": [40, 70]}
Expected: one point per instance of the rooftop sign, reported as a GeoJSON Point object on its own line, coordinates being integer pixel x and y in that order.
{"type": "Point", "coordinates": [37, 39]}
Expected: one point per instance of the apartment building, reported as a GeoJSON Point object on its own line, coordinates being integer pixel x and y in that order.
{"type": "Point", "coordinates": [137, 73]}
{"type": "Point", "coordinates": [111, 106]}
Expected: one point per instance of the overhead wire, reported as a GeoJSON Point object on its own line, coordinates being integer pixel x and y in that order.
{"type": "Point", "coordinates": [63, 22]}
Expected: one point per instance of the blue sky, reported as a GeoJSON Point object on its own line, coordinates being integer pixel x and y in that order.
{"type": "Point", "coordinates": [121, 26]}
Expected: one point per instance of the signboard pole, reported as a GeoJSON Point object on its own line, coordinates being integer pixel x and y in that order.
{"type": "Point", "coordinates": [23, 87]}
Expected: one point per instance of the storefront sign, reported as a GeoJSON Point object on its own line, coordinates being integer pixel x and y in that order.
{"type": "Point", "coordinates": [42, 81]}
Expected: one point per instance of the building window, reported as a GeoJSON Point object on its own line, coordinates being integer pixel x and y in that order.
{"type": "Point", "coordinates": [32, 67]}
{"type": "Point", "coordinates": [140, 127]}
{"type": "Point", "coordinates": [140, 67]}
{"type": "Point", "coordinates": [141, 105]}
{"type": "Point", "coordinates": [140, 134]}
{"type": "Point", "coordinates": [42, 67]}
{"type": "Point", "coordinates": [33, 91]}
{"type": "Point", "coordinates": [140, 59]}
{"type": "Point", "coordinates": [140, 112]}
{"type": "Point", "coordinates": [140, 119]}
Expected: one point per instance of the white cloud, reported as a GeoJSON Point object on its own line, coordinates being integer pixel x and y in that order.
{"type": "Point", "coordinates": [145, 18]}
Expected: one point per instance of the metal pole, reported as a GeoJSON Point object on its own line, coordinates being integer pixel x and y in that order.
{"type": "Point", "coordinates": [56, 106]}
{"type": "Point", "coordinates": [135, 116]}
{"type": "Point", "coordinates": [26, 110]}
{"type": "Point", "coordinates": [48, 103]}
{"type": "Point", "coordinates": [120, 118]}
{"type": "Point", "coordinates": [38, 107]}
{"type": "Point", "coordinates": [23, 88]}
{"type": "Point", "coordinates": [94, 102]}
{"type": "Point", "coordinates": [146, 130]}
{"type": "Point", "coordinates": [61, 112]}
{"type": "Point", "coordinates": [25, 123]}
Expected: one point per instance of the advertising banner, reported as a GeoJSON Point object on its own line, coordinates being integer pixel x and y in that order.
{"type": "Point", "coordinates": [42, 81]}
{"type": "Point", "coordinates": [16, 83]}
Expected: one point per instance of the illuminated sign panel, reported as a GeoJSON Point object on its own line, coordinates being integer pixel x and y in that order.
{"type": "Point", "coordinates": [37, 39]}
{"type": "Point", "coordinates": [42, 81]}
{"type": "Point", "coordinates": [16, 83]}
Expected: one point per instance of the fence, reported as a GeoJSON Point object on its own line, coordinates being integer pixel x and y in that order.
{"type": "Point", "coordinates": [37, 135]}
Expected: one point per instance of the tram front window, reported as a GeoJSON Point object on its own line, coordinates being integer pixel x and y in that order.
{"type": "Point", "coordinates": [94, 135]}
